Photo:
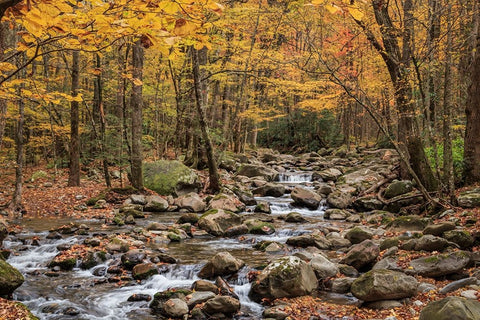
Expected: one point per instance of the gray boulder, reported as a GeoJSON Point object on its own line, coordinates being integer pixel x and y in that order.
{"type": "Point", "coordinates": [323, 267]}
{"type": "Point", "coordinates": [331, 174]}
{"type": "Point", "coordinates": [226, 202]}
{"type": "Point", "coordinates": [362, 254]}
{"type": "Point", "coordinates": [469, 199]}
{"type": "Point", "coordinates": [382, 284]}
{"type": "Point", "coordinates": [295, 217]}
{"type": "Point", "coordinates": [175, 308]}
{"type": "Point", "coordinates": [155, 204]}
{"type": "Point", "coordinates": [253, 170]}
{"type": "Point", "coordinates": [398, 188]}
{"type": "Point", "coordinates": [451, 308]}
{"type": "Point", "coordinates": [263, 206]}
{"type": "Point", "coordinates": [221, 304]}
{"type": "Point", "coordinates": [198, 297]}
{"type": "Point", "coordinates": [367, 203]}
{"type": "Point", "coordinates": [336, 214]}
{"type": "Point", "coordinates": [310, 240]}
{"type": "Point", "coordinates": [270, 190]}
{"type": "Point", "coordinates": [168, 177]}
{"type": "Point", "coordinates": [439, 265]}
{"type": "Point", "coordinates": [221, 264]}
{"type": "Point", "coordinates": [191, 202]}
{"type": "Point", "coordinates": [362, 179]}
{"type": "Point", "coordinates": [462, 238]}
{"type": "Point", "coordinates": [358, 234]}
{"type": "Point", "coordinates": [285, 277]}
{"type": "Point", "coordinates": [339, 199]}
{"type": "Point", "coordinates": [408, 223]}
{"type": "Point", "coordinates": [216, 222]}
{"type": "Point", "coordinates": [439, 228]}
{"type": "Point", "coordinates": [305, 198]}
{"type": "Point", "coordinates": [426, 243]}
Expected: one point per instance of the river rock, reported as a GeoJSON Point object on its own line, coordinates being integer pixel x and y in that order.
{"type": "Point", "coordinates": [384, 284]}
{"type": "Point", "coordinates": [170, 177]}
{"type": "Point", "coordinates": [228, 202]}
{"type": "Point", "coordinates": [254, 170]}
{"type": "Point", "coordinates": [295, 217]}
{"type": "Point", "coordinates": [10, 278]}
{"type": "Point", "coordinates": [270, 190]}
{"type": "Point", "coordinates": [138, 199]}
{"type": "Point", "coordinates": [426, 243]}
{"type": "Point", "coordinates": [309, 240]}
{"type": "Point", "coordinates": [439, 265]}
{"type": "Point", "coordinates": [133, 257]}
{"type": "Point", "coordinates": [403, 201]}
{"type": "Point", "coordinates": [469, 199]}
{"type": "Point", "coordinates": [144, 270]}
{"type": "Point", "coordinates": [337, 241]}
{"type": "Point", "coordinates": [362, 254]}
{"type": "Point", "coordinates": [336, 214]}
{"type": "Point", "coordinates": [160, 298]}
{"type": "Point", "coordinates": [452, 286]}
{"type": "Point", "coordinates": [155, 204]}
{"type": "Point", "coordinates": [397, 188]}
{"type": "Point", "coordinates": [3, 230]}
{"type": "Point", "coordinates": [367, 203]}
{"type": "Point", "coordinates": [263, 206]}
{"type": "Point", "coordinates": [323, 267]}
{"type": "Point", "coordinates": [451, 308]}
{"type": "Point", "coordinates": [462, 238]}
{"type": "Point", "coordinates": [223, 263]}
{"type": "Point", "coordinates": [305, 198]}
{"type": "Point", "coordinates": [387, 263]}
{"type": "Point", "coordinates": [198, 297]}
{"type": "Point", "coordinates": [408, 223]}
{"type": "Point", "coordinates": [331, 174]}
{"type": "Point", "coordinates": [275, 312]}
{"type": "Point", "coordinates": [204, 285]}
{"type": "Point", "coordinates": [191, 202]}
{"type": "Point", "coordinates": [438, 229]}
{"type": "Point", "coordinates": [358, 234]}
{"type": "Point", "coordinates": [339, 199]}
{"type": "Point", "coordinates": [285, 277]}
{"type": "Point", "coordinates": [362, 179]}
{"type": "Point", "coordinates": [259, 227]}
{"type": "Point", "coordinates": [216, 222]}
{"type": "Point", "coordinates": [221, 304]}
{"type": "Point", "coordinates": [342, 285]}
{"type": "Point", "coordinates": [175, 308]}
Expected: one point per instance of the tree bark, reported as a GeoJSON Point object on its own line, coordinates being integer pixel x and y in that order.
{"type": "Point", "coordinates": [16, 204]}
{"type": "Point", "coordinates": [472, 130]}
{"type": "Point", "coordinates": [137, 106]}
{"type": "Point", "coordinates": [74, 165]}
{"type": "Point", "coordinates": [214, 179]}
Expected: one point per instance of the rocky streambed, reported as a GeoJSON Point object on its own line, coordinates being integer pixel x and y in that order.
{"type": "Point", "coordinates": [334, 226]}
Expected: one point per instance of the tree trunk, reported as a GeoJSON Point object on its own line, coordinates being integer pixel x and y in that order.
{"type": "Point", "coordinates": [74, 166]}
{"type": "Point", "coordinates": [3, 102]}
{"type": "Point", "coordinates": [472, 130]}
{"type": "Point", "coordinates": [16, 204]}
{"type": "Point", "coordinates": [137, 105]}
{"type": "Point", "coordinates": [214, 179]}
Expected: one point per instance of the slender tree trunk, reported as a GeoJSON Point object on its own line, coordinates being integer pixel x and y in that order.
{"type": "Point", "coordinates": [137, 106]}
{"type": "Point", "coordinates": [472, 130]}
{"type": "Point", "coordinates": [74, 167]}
{"type": "Point", "coordinates": [3, 102]}
{"type": "Point", "coordinates": [214, 179]}
{"type": "Point", "coordinates": [16, 204]}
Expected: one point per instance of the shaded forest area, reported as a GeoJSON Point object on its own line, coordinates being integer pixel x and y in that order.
{"type": "Point", "coordinates": [109, 84]}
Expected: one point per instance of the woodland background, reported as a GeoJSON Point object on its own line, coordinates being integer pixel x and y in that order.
{"type": "Point", "coordinates": [110, 83]}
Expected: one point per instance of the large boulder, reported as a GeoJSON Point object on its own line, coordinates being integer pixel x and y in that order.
{"type": "Point", "coordinates": [451, 308]}
{"type": "Point", "coordinates": [175, 308]}
{"type": "Point", "coordinates": [285, 277]}
{"type": "Point", "coordinates": [305, 198]}
{"type": "Point", "coordinates": [228, 202]}
{"type": "Point", "coordinates": [358, 234]}
{"type": "Point", "coordinates": [216, 222]}
{"type": "Point", "coordinates": [133, 257]}
{"type": "Point", "coordinates": [270, 190]}
{"type": "Point", "coordinates": [221, 304]}
{"type": "Point", "coordinates": [438, 229]}
{"type": "Point", "coordinates": [191, 202]}
{"type": "Point", "coordinates": [221, 264]}
{"type": "Point", "coordinates": [408, 223]}
{"type": "Point", "coordinates": [168, 177]}
{"type": "Point", "coordinates": [462, 238]}
{"type": "Point", "coordinates": [323, 267]}
{"type": "Point", "coordinates": [397, 188]}
{"type": "Point", "coordinates": [339, 199]}
{"type": "Point", "coordinates": [362, 179]}
{"type": "Point", "coordinates": [253, 170]}
{"type": "Point", "coordinates": [362, 255]}
{"type": "Point", "coordinates": [426, 243]}
{"type": "Point", "coordinates": [330, 174]}
{"type": "Point", "coordinates": [155, 204]}
{"type": "Point", "coordinates": [439, 265]}
{"type": "Point", "coordinates": [383, 284]}
{"type": "Point", "coordinates": [368, 203]}
{"type": "Point", "coordinates": [10, 278]}
{"type": "Point", "coordinates": [310, 240]}
{"type": "Point", "coordinates": [469, 199]}
{"type": "Point", "coordinates": [336, 214]}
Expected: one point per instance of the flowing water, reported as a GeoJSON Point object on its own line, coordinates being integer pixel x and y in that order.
{"type": "Point", "coordinates": [83, 294]}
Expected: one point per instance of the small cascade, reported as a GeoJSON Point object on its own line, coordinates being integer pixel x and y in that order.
{"type": "Point", "coordinates": [295, 177]}
{"type": "Point", "coordinates": [242, 288]}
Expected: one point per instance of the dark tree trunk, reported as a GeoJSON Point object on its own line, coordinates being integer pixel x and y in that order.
{"type": "Point", "coordinates": [74, 166]}
{"type": "Point", "coordinates": [472, 131]}
{"type": "Point", "coordinates": [16, 204]}
{"type": "Point", "coordinates": [137, 106]}
{"type": "Point", "coordinates": [214, 184]}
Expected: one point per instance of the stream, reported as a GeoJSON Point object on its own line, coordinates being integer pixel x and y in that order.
{"type": "Point", "coordinates": [85, 294]}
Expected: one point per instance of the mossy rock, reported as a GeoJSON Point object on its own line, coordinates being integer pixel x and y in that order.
{"type": "Point", "coordinates": [461, 237]}
{"type": "Point", "coordinates": [64, 264]}
{"type": "Point", "coordinates": [451, 308]}
{"type": "Point", "coordinates": [411, 223]}
{"type": "Point", "coordinates": [389, 243]}
{"type": "Point", "coordinates": [93, 201]}
{"type": "Point", "coordinates": [119, 219]}
{"type": "Point", "coordinates": [10, 278]}
{"type": "Point", "coordinates": [170, 178]}
{"type": "Point", "coordinates": [260, 227]}
{"type": "Point", "coordinates": [93, 259]}
{"type": "Point", "coordinates": [159, 298]}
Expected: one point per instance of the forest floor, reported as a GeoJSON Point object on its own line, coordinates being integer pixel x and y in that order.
{"type": "Point", "coordinates": [49, 197]}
